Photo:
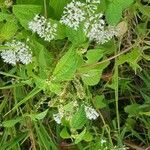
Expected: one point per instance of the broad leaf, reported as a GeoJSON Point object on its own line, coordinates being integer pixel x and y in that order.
{"type": "Point", "coordinates": [67, 65]}
{"type": "Point", "coordinates": [92, 76]}
{"type": "Point", "coordinates": [64, 133]}
{"type": "Point", "coordinates": [132, 110]}
{"type": "Point", "coordinates": [8, 30]}
{"type": "Point", "coordinates": [98, 102]}
{"type": "Point", "coordinates": [25, 13]}
{"type": "Point", "coordinates": [58, 7]}
{"type": "Point", "coordinates": [80, 136]}
{"type": "Point", "coordinates": [77, 37]}
{"type": "Point", "coordinates": [94, 55]}
{"type": "Point", "coordinates": [79, 119]}
{"type": "Point", "coordinates": [114, 10]}
{"type": "Point", "coordinates": [11, 123]}
{"type": "Point", "coordinates": [39, 116]}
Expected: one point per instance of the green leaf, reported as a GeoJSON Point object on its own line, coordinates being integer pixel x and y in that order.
{"type": "Point", "coordinates": [58, 7]}
{"type": "Point", "coordinates": [113, 14]}
{"type": "Point", "coordinates": [77, 37]}
{"type": "Point", "coordinates": [114, 10]}
{"type": "Point", "coordinates": [94, 55]}
{"type": "Point", "coordinates": [10, 144]}
{"type": "Point", "coordinates": [67, 65]}
{"type": "Point", "coordinates": [29, 96]}
{"type": "Point", "coordinates": [92, 77]}
{"type": "Point", "coordinates": [44, 60]}
{"type": "Point", "coordinates": [98, 102]}
{"type": "Point", "coordinates": [79, 119]}
{"type": "Point", "coordinates": [43, 57]}
{"type": "Point", "coordinates": [143, 9]}
{"type": "Point", "coordinates": [80, 136]}
{"type": "Point", "coordinates": [44, 138]}
{"type": "Point", "coordinates": [25, 13]}
{"type": "Point", "coordinates": [8, 30]}
{"type": "Point", "coordinates": [87, 137]}
{"type": "Point", "coordinates": [132, 110]}
{"type": "Point", "coordinates": [145, 113]}
{"type": "Point", "coordinates": [39, 116]}
{"type": "Point", "coordinates": [132, 58]}
{"type": "Point", "coordinates": [124, 4]}
{"type": "Point", "coordinates": [147, 57]}
{"type": "Point", "coordinates": [5, 16]}
{"type": "Point", "coordinates": [69, 107]}
{"type": "Point", "coordinates": [55, 87]}
{"type": "Point", "coordinates": [29, 2]}
{"type": "Point", "coordinates": [11, 123]}
{"type": "Point", "coordinates": [61, 30]}
{"type": "Point", "coordinates": [64, 133]}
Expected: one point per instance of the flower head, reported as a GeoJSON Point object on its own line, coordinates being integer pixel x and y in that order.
{"type": "Point", "coordinates": [43, 27]}
{"type": "Point", "coordinates": [95, 29]}
{"type": "Point", "coordinates": [93, 1]}
{"type": "Point", "coordinates": [17, 52]}
{"type": "Point", "coordinates": [73, 14]}
{"type": "Point", "coordinates": [57, 117]}
{"type": "Point", "coordinates": [91, 113]}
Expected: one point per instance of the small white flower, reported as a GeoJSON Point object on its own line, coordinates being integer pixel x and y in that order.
{"type": "Point", "coordinates": [103, 141]}
{"type": "Point", "coordinates": [120, 148]}
{"type": "Point", "coordinates": [91, 113]}
{"type": "Point", "coordinates": [43, 28]}
{"type": "Point", "coordinates": [73, 14]}
{"type": "Point", "coordinates": [9, 56]}
{"type": "Point", "coordinates": [17, 52]}
{"type": "Point", "coordinates": [57, 117]}
{"type": "Point", "coordinates": [95, 29]}
{"type": "Point", "coordinates": [108, 34]}
{"type": "Point", "coordinates": [93, 1]}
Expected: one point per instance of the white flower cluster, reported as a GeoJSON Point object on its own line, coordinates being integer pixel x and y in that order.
{"type": "Point", "coordinates": [95, 29]}
{"type": "Point", "coordinates": [103, 141]}
{"type": "Point", "coordinates": [91, 113]}
{"type": "Point", "coordinates": [57, 117]}
{"type": "Point", "coordinates": [73, 14]}
{"type": "Point", "coordinates": [43, 28]}
{"type": "Point", "coordinates": [120, 148]}
{"type": "Point", "coordinates": [17, 52]}
{"type": "Point", "coordinates": [93, 1]}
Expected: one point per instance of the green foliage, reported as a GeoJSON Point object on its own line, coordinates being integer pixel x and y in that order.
{"type": "Point", "coordinates": [93, 76]}
{"type": "Point", "coordinates": [94, 55]}
{"type": "Point", "coordinates": [42, 103]}
{"type": "Point", "coordinates": [11, 123]}
{"type": "Point", "coordinates": [64, 133]}
{"type": "Point", "coordinates": [80, 136]}
{"type": "Point", "coordinates": [58, 7]}
{"type": "Point", "coordinates": [8, 30]}
{"type": "Point", "coordinates": [132, 58]}
{"type": "Point", "coordinates": [115, 9]}
{"type": "Point", "coordinates": [11, 144]}
{"type": "Point", "coordinates": [25, 13]}
{"type": "Point", "coordinates": [99, 102]}
{"type": "Point", "coordinates": [79, 119]}
{"type": "Point", "coordinates": [67, 65]}
{"type": "Point", "coordinates": [76, 37]}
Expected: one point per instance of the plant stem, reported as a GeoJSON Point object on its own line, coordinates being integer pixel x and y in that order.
{"type": "Point", "coordinates": [116, 82]}
{"type": "Point", "coordinates": [45, 9]}
{"type": "Point", "coordinates": [107, 128]}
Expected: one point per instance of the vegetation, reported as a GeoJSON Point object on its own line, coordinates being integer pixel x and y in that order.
{"type": "Point", "coordinates": [74, 74]}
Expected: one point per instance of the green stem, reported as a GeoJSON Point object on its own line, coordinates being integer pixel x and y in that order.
{"type": "Point", "coordinates": [45, 9]}
{"type": "Point", "coordinates": [116, 74]}
{"type": "Point", "coordinates": [106, 127]}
